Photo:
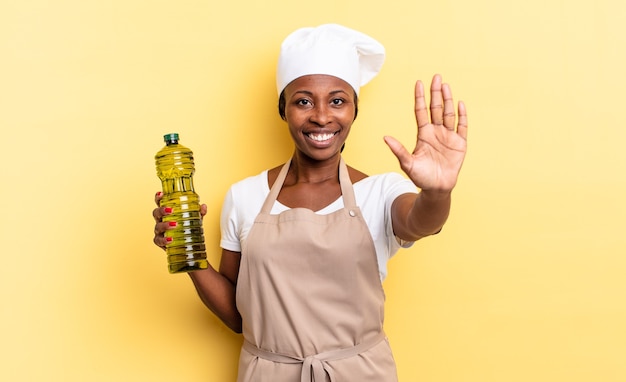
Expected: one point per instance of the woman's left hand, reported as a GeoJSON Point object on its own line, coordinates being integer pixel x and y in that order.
{"type": "Point", "coordinates": [441, 144]}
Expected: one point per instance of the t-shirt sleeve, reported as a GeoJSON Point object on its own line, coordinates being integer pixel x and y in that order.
{"type": "Point", "coordinates": [229, 224]}
{"type": "Point", "coordinates": [397, 185]}
{"type": "Point", "coordinates": [242, 204]}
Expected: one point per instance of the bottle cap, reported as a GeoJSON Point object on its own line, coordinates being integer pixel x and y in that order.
{"type": "Point", "coordinates": [171, 138]}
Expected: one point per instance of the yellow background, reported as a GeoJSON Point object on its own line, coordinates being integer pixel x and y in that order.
{"type": "Point", "coordinates": [525, 283]}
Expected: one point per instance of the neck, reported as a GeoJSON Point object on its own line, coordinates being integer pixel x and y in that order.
{"type": "Point", "coordinates": [306, 170]}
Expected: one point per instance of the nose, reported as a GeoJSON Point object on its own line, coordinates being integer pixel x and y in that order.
{"type": "Point", "coordinates": [320, 115]}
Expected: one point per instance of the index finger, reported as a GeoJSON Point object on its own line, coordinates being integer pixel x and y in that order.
{"type": "Point", "coordinates": [157, 198]}
{"type": "Point", "coordinates": [421, 112]}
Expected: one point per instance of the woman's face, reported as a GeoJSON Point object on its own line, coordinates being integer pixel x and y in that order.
{"type": "Point", "coordinates": [319, 110]}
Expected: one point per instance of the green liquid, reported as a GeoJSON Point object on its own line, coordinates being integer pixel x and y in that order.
{"type": "Point", "coordinates": [186, 252]}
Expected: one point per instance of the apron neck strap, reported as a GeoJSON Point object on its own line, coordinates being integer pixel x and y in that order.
{"type": "Point", "coordinates": [347, 192]}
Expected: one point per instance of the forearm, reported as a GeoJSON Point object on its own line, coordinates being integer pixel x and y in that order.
{"type": "Point", "coordinates": [421, 215]}
{"type": "Point", "coordinates": [217, 292]}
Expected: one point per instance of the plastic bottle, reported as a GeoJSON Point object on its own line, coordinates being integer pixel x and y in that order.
{"type": "Point", "coordinates": [186, 251]}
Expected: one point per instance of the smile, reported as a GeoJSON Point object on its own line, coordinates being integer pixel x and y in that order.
{"type": "Point", "coordinates": [320, 137]}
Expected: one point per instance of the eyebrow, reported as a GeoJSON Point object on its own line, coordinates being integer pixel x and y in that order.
{"type": "Point", "coordinates": [309, 93]}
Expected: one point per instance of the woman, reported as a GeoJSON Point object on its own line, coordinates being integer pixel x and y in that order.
{"type": "Point", "coordinates": [304, 245]}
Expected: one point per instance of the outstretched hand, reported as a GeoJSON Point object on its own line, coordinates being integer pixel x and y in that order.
{"type": "Point", "coordinates": [436, 160]}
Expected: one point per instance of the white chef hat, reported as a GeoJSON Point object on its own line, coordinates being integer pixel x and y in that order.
{"type": "Point", "coordinates": [329, 49]}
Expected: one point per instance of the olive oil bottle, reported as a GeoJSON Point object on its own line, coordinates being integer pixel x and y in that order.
{"type": "Point", "coordinates": [185, 250]}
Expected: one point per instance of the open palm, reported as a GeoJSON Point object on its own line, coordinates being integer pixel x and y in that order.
{"type": "Point", "coordinates": [436, 161]}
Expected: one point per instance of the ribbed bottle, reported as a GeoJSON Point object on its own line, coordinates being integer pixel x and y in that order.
{"type": "Point", "coordinates": [186, 251]}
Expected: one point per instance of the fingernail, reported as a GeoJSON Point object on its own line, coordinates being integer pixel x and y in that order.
{"type": "Point", "coordinates": [168, 239]}
{"type": "Point", "coordinates": [172, 224]}
{"type": "Point", "coordinates": [168, 210]}
{"type": "Point", "coordinates": [159, 194]}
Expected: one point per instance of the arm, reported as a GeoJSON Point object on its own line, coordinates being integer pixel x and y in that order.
{"type": "Point", "coordinates": [215, 288]}
{"type": "Point", "coordinates": [434, 164]}
{"type": "Point", "coordinates": [415, 216]}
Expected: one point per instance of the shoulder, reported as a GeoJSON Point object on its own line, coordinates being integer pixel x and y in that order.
{"type": "Point", "coordinates": [387, 180]}
{"type": "Point", "coordinates": [258, 181]}
{"type": "Point", "coordinates": [387, 186]}
{"type": "Point", "coordinates": [244, 196]}
{"type": "Point", "coordinates": [247, 192]}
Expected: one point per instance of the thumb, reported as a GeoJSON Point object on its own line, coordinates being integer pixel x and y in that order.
{"type": "Point", "coordinates": [403, 155]}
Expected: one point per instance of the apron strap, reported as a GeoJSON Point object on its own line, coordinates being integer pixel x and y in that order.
{"type": "Point", "coordinates": [278, 184]}
{"type": "Point", "coordinates": [314, 367]}
{"type": "Point", "coordinates": [347, 191]}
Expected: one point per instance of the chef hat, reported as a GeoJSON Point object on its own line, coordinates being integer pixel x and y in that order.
{"type": "Point", "coordinates": [329, 49]}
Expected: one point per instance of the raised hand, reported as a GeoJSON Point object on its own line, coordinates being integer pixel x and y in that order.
{"type": "Point", "coordinates": [436, 160]}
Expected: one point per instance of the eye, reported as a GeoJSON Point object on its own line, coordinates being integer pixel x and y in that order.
{"type": "Point", "coordinates": [303, 102]}
{"type": "Point", "coordinates": [337, 101]}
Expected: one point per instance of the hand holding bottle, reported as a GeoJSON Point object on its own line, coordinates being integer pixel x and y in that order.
{"type": "Point", "coordinates": [160, 226]}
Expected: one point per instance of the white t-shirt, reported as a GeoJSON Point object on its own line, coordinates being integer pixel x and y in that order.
{"type": "Point", "coordinates": [374, 196]}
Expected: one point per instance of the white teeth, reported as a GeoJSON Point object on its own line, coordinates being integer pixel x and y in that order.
{"type": "Point", "coordinates": [321, 137]}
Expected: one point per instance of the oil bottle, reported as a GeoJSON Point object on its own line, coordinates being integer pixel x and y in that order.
{"type": "Point", "coordinates": [186, 250]}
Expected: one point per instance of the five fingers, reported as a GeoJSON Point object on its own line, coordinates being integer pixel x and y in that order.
{"type": "Point", "coordinates": [441, 108]}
